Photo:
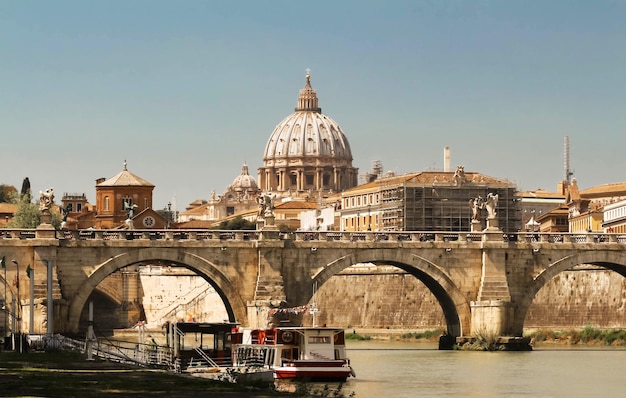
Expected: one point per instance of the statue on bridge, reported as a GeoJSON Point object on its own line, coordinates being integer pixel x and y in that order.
{"type": "Point", "coordinates": [46, 199]}
{"type": "Point", "coordinates": [266, 205]}
{"type": "Point", "coordinates": [476, 205]}
{"type": "Point", "coordinates": [491, 204]}
{"type": "Point", "coordinates": [130, 212]}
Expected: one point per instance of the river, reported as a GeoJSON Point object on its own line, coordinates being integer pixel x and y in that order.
{"type": "Point", "coordinates": [399, 370]}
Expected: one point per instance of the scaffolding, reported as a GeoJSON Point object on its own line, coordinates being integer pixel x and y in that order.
{"type": "Point", "coordinates": [412, 207]}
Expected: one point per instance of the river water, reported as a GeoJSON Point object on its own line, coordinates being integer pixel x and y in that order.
{"type": "Point", "coordinates": [399, 369]}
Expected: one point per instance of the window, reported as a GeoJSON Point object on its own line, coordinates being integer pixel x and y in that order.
{"type": "Point", "coordinates": [319, 339]}
{"type": "Point", "coordinates": [107, 203]}
{"type": "Point", "coordinates": [127, 203]}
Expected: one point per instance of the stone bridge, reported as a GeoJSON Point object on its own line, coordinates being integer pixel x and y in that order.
{"type": "Point", "coordinates": [484, 281]}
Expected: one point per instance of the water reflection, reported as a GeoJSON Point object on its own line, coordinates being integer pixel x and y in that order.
{"type": "Point", "coordinates": [400, 369]}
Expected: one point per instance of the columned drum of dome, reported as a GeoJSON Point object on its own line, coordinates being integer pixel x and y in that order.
{"type": "Point", "coordinates": [307, 152]}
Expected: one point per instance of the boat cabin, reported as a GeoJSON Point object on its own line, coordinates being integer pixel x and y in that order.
{"type": "Point", "coordinates": [202, 344]}
{"type": "Point", "coordinates": [311, 352]}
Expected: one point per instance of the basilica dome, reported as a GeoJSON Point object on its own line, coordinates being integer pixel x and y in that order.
{"type": "Point", "coordinates": [244, 182]}
{"type": "Point", "coordinates": [307, 133]}
{"type": "Point", "coordinates": [307, 151]}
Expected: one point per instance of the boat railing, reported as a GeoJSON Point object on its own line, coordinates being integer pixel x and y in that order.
{"type": "Point", "coordinates": [253, 355]}
{"type": "Point", "coordinates": [317, 355]}
{"type": "Point", "coordinates": [205, 357]}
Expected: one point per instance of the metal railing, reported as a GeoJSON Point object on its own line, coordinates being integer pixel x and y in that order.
{"type": "Point", "coordinates": [143, 355]}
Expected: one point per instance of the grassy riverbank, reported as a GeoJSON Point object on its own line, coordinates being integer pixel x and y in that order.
{"type": "Point", "coordinates": [68, 374]}
{"type": "Point", "coordinates": [394, 334]}
{"type": "Point", "coordinates": [586, 336]}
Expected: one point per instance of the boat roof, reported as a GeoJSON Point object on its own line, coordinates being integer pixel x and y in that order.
{"type": "Point", "coordinates": [308, 328]}
{"type": "Point", "coordinates": [205, 327]}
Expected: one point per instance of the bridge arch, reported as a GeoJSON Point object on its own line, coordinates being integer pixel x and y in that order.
{"type": "Point", "coordinates": [455, 306]}
{"type": "Point", "coordinates": [611, 260]}
{"type": "Point", "coordinates": [235, 305]}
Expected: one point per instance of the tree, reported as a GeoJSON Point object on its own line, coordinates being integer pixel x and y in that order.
{"type": "Point", "coordinates": [237, 223]}
{"type": "Point", "coordinates": [26, 189]}
{"type": "Point", "coordinates": [28, 215]}
{"type": "Point", "coordinates": [8, 193]}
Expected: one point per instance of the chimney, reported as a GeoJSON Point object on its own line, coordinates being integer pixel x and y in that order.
{"type": "Point", "coordinates": [446, 159]}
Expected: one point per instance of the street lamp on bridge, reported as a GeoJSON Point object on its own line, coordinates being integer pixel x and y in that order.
{"type": "Point", "coordinates": [18, 309]}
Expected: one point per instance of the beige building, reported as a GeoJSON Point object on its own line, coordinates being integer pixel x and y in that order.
{"type": "Point", "coordinates": [239, 197]}
{"type": "Point", "coordinates": [556, 220]}
{"type": "Point", "coordinates": [537, 204]}
{"type": "Point", "coordinates": [614, 220]}
{"type": "Point", "coordinates": [587, 207]}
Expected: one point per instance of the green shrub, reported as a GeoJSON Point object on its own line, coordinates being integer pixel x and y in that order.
{"type": "Point", "coordinates": [357, 337]}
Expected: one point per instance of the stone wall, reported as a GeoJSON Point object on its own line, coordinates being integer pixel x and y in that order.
{"type": "Point", "coordinates": [391, 299]}
{"type": "Point", "coordinates": [179, 295]}
{"type": "Point", "coordinates": [579, 298]}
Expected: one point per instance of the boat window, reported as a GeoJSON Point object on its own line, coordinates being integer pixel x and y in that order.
{"type": "Point", "coordinates": [289, 353]}
{"type": "Point", "coordinates": [319, 339]}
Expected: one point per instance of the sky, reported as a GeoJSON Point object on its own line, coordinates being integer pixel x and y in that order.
{"type": "Point", "coordinates": [188, 91]}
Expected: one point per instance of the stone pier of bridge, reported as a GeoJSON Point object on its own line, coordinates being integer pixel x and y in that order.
{"type": "Point", "coordinates": [484, 281]}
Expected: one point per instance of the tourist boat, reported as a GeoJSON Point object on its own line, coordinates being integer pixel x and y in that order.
{"type": "Point", "coordinates": [312, 353]}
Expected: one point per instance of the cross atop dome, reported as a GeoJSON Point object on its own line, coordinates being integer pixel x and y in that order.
{"type": "Point", "coordinates": [307, 101]}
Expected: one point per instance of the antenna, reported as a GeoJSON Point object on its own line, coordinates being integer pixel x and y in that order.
{"type": "Point", "coordinates": [568, 172]}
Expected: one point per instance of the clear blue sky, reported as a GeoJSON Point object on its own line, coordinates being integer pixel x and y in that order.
{"type": "Point", "coordinates": [187, 91]}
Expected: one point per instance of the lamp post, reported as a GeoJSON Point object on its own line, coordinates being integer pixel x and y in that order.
{"type": "Point", "coordinates": [17, 334]}
{"type": "Point", "coordinates": [358, 220]}
{"type": "Point", "coordinates": [4, 305]}
{"type": "Point", "coordinates": [369, 217]}
{"type": "Point", "coordinates": [17, 310]}
{"type": "Point", "coordinates": [31, 315]}
{"type": "Point", "coordinates": [50, 303]}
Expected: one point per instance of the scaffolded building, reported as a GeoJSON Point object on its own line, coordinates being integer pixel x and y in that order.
{"type": "Point", "coordinates": [428, 201]}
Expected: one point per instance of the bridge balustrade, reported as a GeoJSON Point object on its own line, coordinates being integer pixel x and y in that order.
{"type": "Point", "coordinates": [357, 236]}
{"type": "Point", "coordinates": [332, 236]}
{"type": "Point", "coordinates": [474, 237]}
{"type": "Point", "coordinates": [326, 236]}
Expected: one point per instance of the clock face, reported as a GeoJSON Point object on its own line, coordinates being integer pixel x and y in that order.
{"type": "Point", "coordinates": [148, 221]}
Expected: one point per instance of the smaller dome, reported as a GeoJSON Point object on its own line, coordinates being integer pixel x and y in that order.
{"type": "Point", "coordinates": [244, 182]}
